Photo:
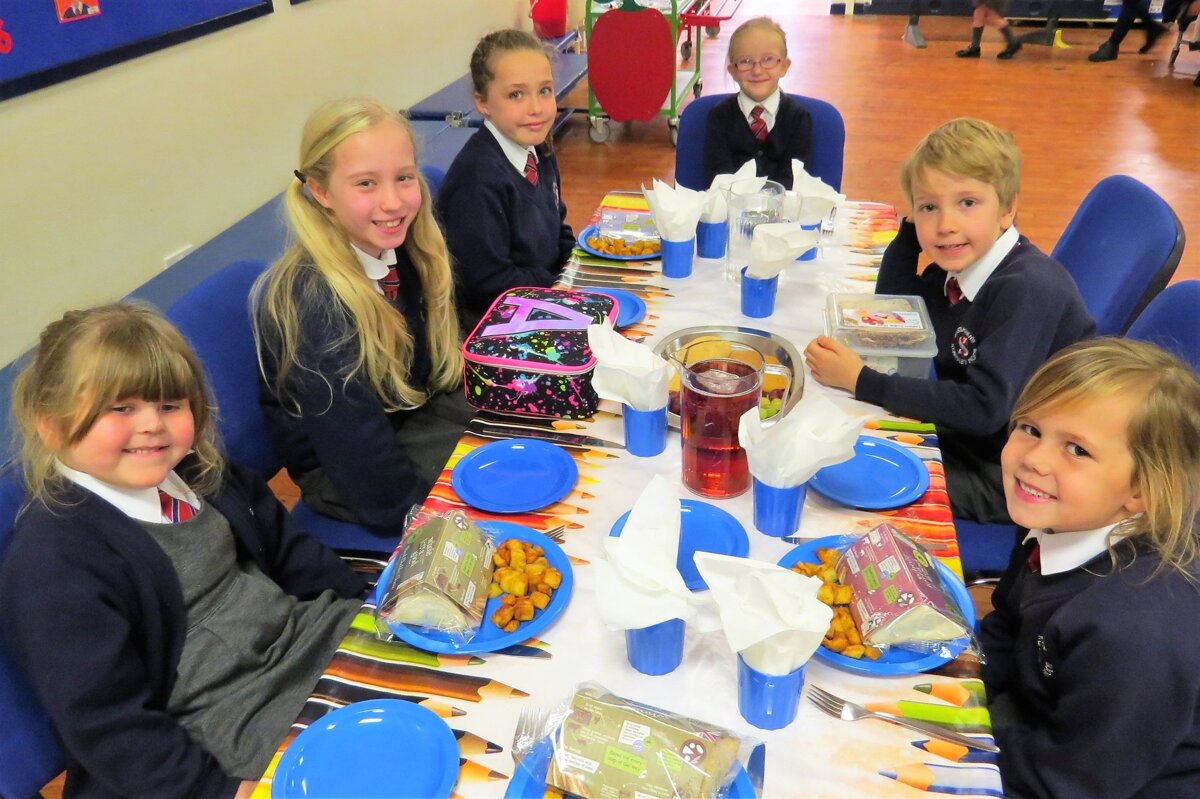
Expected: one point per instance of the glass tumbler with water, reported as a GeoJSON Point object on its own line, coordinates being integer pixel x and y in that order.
{"type": "Point", "coordinates": [751, 201]}
{"type": "Point", "coordinates": [717, 386]}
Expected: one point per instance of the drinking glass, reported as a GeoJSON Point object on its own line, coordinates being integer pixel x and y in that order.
{"type": "Point", "coordinates": [751, 201]}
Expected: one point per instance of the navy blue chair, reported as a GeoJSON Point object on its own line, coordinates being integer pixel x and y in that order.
{"type": "Point", "coordinates": [1172, 321]}
{"type": "Point", "coordinates": [984, 549]}
{"type": "Point", "coordinates": [30, 752]}
{"type": "Point", "coordinates": [1122, 247]}
{"type": "Point", "coordinates": [347, 538]}
{"type": "Point", "coordinates": [828, 145]}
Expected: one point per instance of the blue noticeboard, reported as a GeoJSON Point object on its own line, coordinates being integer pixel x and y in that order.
{"type": "Point", "coordinates": [47, 41]}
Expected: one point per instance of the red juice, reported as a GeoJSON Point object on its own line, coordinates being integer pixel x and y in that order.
{"type": "Point", "coordinates": [715, 394]}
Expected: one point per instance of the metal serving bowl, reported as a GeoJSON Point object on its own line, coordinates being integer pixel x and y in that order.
{"type": "Point", "coordinates": [769, 345]}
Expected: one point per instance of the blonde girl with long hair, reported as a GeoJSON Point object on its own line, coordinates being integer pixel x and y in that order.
{"type": "Point", "coordinates": [1093, 665]}
{"type": "Point", "coordinates": [357, 334]}
{"type": "Point", "coordinates": [170, 617]}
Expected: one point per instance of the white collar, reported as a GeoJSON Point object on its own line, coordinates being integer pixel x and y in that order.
{"type": "Point", "coordinates": [517, 155]}
{"type": "Point", "coordinates": [375, 268]}
{"type": "Point", "coordinates": [1063, 552]}
{"type": "Point", "coordinates": [770, 105]}
{"type": "Point", "coordinates": [137, 503]}
{"type": "Point", "coordinates": [971, 279]}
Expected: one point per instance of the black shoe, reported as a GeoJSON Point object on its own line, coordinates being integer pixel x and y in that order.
{"type": "Point", "coordinates": [1152, 33]}
{"type": "Point", "coordinates": [1107, 52]}
{"type": "Point", "coordinates": [1009, 52]}
{"type": "Point", "coordinates": [968, 52]}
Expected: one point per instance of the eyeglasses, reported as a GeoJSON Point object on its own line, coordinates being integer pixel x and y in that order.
{"type": "Point", "coordinates": [766, 62]}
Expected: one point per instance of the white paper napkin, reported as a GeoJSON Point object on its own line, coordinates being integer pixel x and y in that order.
{"type": "Point", "coordinates": [676, 210]}
{"type": "Point", "coordinates": [816, 433]}
{"type": "Point", "coordinates": [627, 371]}
{"type": "Point", "coordinates": [638, 577]}
{"type": "Point", "coordinates": [771, 615]}
{"type": "Point", "coordinates": [716, 208]}
{"type": "Point", "coordinates": [812, 199]}
{"type": "Point", "coordinates": [776, 244]}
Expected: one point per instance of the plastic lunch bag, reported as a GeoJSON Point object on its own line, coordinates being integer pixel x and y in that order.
{"type": "Point", "coordinates": [529, 353]}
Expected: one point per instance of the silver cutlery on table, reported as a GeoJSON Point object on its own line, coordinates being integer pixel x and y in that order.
{"type": "Point", "coordinates": [499, 431]}
{"type": "Point", "coordinates": [557, 534]}
{"type": "Point", "coordinates": [528, 732]}
{"type": "Point", "coordinates": [848, 711]}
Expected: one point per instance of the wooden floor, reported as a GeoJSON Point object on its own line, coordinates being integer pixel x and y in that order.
{"type": "Point", "coordinates": [1075, 122]}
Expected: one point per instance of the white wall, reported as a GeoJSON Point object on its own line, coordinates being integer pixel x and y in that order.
{"type": "Point", "coordinates": [105, 175]}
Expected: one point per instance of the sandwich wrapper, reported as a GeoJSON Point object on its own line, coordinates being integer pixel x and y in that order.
{"type": "Point", "coordinates": [638, 576]}
{"type": "Point", "coordinates": [816, 433]}
{"type": "Point", "coordinates": [626, 371]}
{"type": "Point", "coordinates": [676, 210]}
{"type": "Point", "coordinates": [811, 199]}
{"type": "Point", "coordinates": [777, 244]}
{"type": "Point", "coordinates": [716, 209]}
{"type": "Point", "coordinates": [771, 615]}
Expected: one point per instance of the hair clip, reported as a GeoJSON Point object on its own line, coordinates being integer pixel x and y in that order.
{"type": "Point", "coordinates": [300, 176]}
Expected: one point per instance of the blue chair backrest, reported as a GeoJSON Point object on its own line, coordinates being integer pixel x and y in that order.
{"type": "Point", "coordinates": [1122, 247]}
{"type": "Point", "coordinates": [30, 753]}
{"type": "Point", "coordinates": [1172, 321]}
{"type": "Point", "coordinates": [828, 145]}
{"type": "Point", "coordinates": [434, 175]}
{"type": "Point", "coordinates": [214, 316]}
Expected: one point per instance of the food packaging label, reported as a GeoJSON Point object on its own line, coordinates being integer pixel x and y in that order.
{"type": "Point", "coordinates": [442, 573]}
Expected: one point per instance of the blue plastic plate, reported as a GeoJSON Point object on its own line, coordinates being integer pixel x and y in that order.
{"type": "Point", "coordinates": [590, 230]}
{"type": "Point", "coordinates": [514, 476]}
{"type": "Point", "coordinates": [491, 638]}
{"type": "Point", "coordinates": [529, 781]}
{"type": "Point", "coordinates": [374, 749]}
{"type": "Point", "coordinates": [881, 475]}
{"type": "Point", "coordinates": [702, 528]}
{"type": "Point", "coordinates": [630, 307]}
{"type": "Point", "coordinates": [895, 661]}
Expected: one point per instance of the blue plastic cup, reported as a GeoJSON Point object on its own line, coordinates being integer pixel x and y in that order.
{"type": "Point", "coordinates": [758, 295]}
{"type": "Point", "coordinates": [811, 253]}
{"type": "Point", "coordinates": [657, 649]}
{"type": "Point", "coordinates": [768, 701]}
{"type": "Point", "coordinates": [645, 431]}
{"type": "Point", "coordinates": [777, 510]}
{"type": "Point", "coordinates": [677, 257]}
{"type": "Point", "coordinates": [711, 238]}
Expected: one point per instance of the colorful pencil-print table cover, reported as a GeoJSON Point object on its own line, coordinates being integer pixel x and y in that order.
{"type": "Point", "coordinates": [481, 696]}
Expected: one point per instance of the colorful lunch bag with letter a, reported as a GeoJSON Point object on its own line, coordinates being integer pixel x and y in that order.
{"type": "Point", "coordinates": [529, 354]}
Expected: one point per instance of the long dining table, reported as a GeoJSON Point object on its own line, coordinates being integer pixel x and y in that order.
{"type": "Point", "coordinates": [481, 696]}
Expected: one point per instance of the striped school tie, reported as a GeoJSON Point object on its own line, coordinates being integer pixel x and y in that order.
{"type": "Point", "coordinates": [758, 125]}
{"type": "Point", "coordinates": [954, 292]}
{"type": "Point", "coordinates": [390, 283]}
{"type": "Point", "coordinates": [531, 173]}
{"type": "Point", "coordinates": [1035, 558]}
{"type": "Point", "coordinates": [174, 510]}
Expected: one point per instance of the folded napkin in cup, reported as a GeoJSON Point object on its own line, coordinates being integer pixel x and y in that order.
{"type": "Point", "coordinates": [638, 578]}
{"type": "Point", "coordinates": [716, 209]}
{"type": "Point", "coordinates": [814, 434]}
{"type": "Point", "coordinates": [811, 199]}
{"type": "Point", "coordinates": [626, 371]}
{"type": "Point", "coordinates": [676, 210]}
{"type": "Point", "coordinates": [777, 244]}
{"type": "Point", "coordinates": [771, 615]}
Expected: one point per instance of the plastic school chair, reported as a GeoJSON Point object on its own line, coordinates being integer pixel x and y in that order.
{"type": "Point", "coordinates": [1172, 321]}
{"type": "Point", "coordinates": [1122, 247]}
{"type": "Point", "coordinates": [828, 141]}
{"type": "Point", "coordinates": [30, 752]}
{"type": "Point", "coordinates": [984, 549]}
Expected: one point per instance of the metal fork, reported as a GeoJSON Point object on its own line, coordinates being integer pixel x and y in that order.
{"type": "Point", "coordinates": [557, 535]}
{"type": "Point", "coordinates": [528, 732]}
{"type": "Point", "coordinates": [848, 711]}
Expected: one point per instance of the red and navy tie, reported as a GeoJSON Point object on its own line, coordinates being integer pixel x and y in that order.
{"type": "Point", "coordinates": [758, 125]}
{"type": "Point", "coordinates": [391, 283]}
{"type": "Point", "coordinates": [174, 510]}
{"type": "Point", "coordinates": [954, 292]}
{"type": "Point", "coordinates": [531, 173]}
{"type": "Point", "coordinates": [1035, 558]}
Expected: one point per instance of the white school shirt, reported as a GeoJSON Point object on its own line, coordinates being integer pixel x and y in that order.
{"type": "Point", "coordinates": [375, 268]}
{"type": "Point", "coordinates": [770, 108]}
{"type": "Point", "coordinates": [971, 279]}
{"type": "Point", "coordinates": [517, 155]}
{"type": "Point", "coordinates": [137, 503]}
{"type": "Point", "coordinates": [1063, 552]}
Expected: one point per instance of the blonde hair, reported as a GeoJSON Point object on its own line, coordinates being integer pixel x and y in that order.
{"type": "Point", "coordinates": [969, 148]}
{"type": "Point", "coordinates": [1163, 435]}
{"type": "Point", "coordinates": [756, 24]}
{"type": "Point", "coordinates": [380, 337]}
{"type": "Point", "coordinates": [89, 359]}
